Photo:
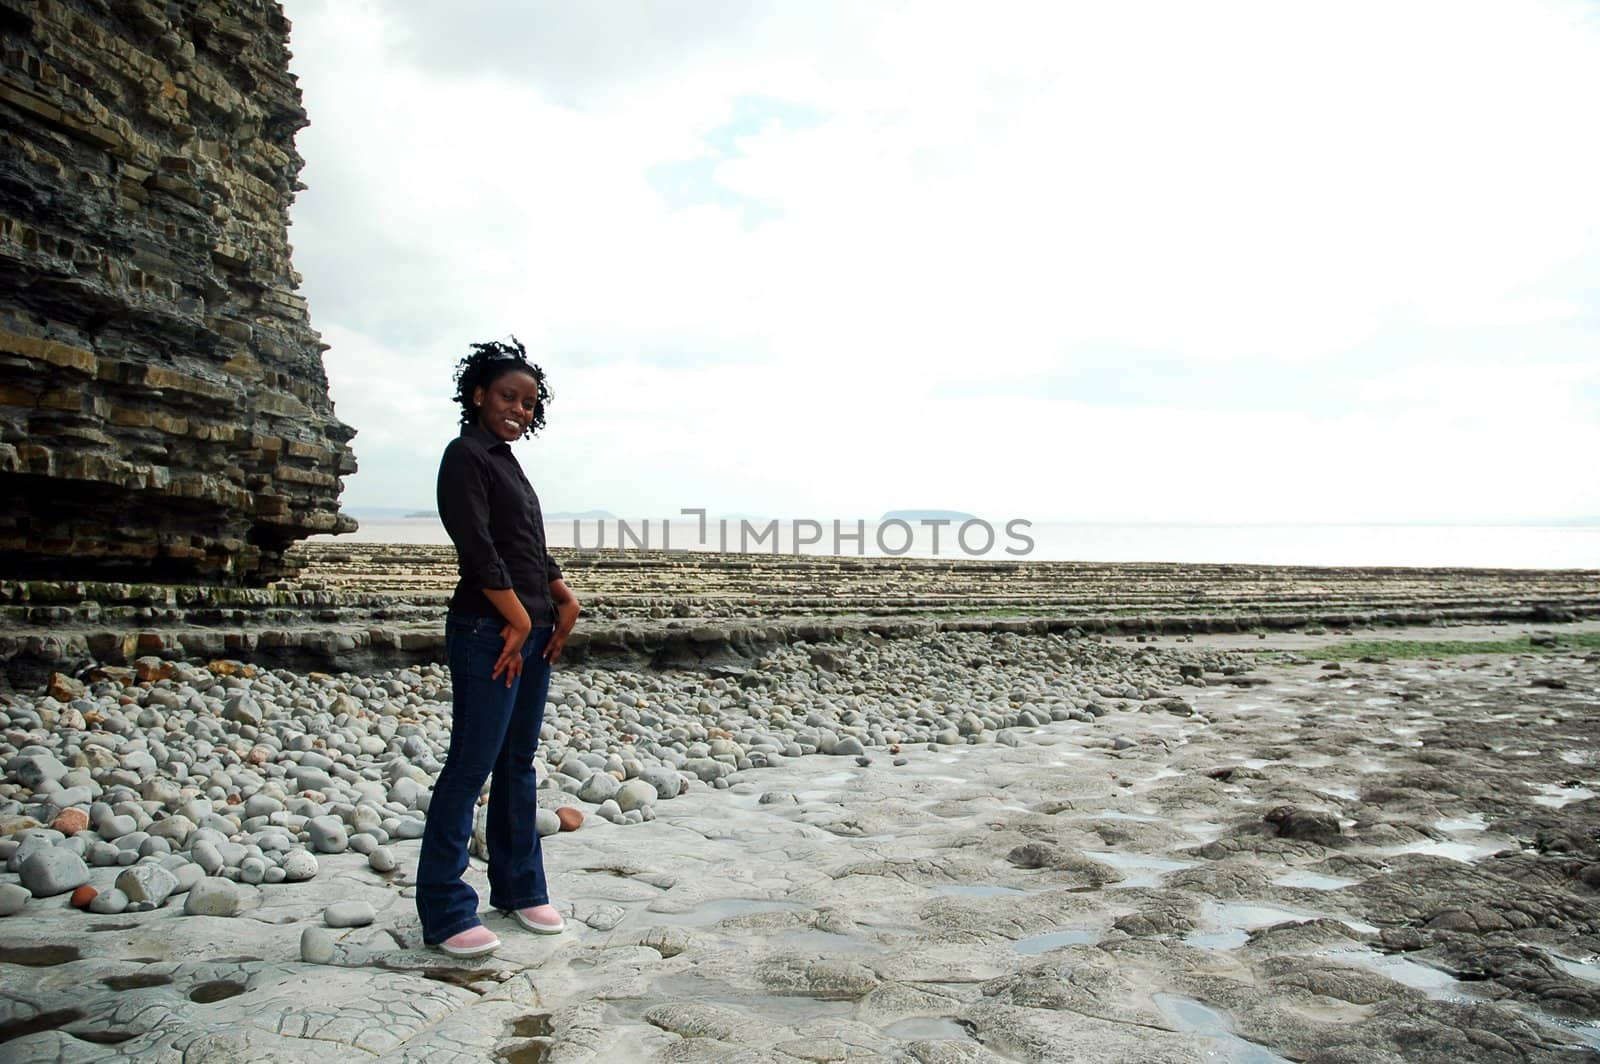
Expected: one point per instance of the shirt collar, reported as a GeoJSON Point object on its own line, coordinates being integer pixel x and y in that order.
{"type": "Point", "coordinates": [481, 436]}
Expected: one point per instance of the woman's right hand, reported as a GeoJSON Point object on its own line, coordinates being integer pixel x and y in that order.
{"type": "Point", "coordinates": [510, 659]}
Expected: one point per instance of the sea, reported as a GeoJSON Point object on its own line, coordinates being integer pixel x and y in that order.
{"type": "Point", "coordinates": [1493, 546]}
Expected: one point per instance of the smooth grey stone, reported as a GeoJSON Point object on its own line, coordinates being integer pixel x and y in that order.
{"type": "Point", "coordinates": [298, 866]}
{"type": "Point", "coordinates": [12, 898]}
{"type": "Point", "coordinates": [114, 827]}
{"type": "Point", "coordinates": [328, 834]}
{"type": "Point", "coordinates": [188, 875]}
{"type": "Point", "coordinates": [667, 782]}
{"type": "Point", "coordinates": [634, 794]}
{"type": "Point", "coordinates": [363, 819]}
{"type": "Point", "coordinates": [406, 791]}
{"type": "Point", "coordinates": [53, 870]}
{"type": "Point", "coordinates": [109, 902]}
{"type": "Point", "coordinates": [546, 822]}
{"type": "Point", "coordinates": [176, 829]}
{"type": "Point", "coordinates": [207, 857]}
{"type": "Point", "coordinates": [310, 779]}
{"type": "Point", "coordinates": [706, 768]}
{"type": "Point", "coordinates": [31, 843]}
{"type": "Point", "coordinates": [349, 914]}
{"type": "Point", "coordinates": [232, 852]}
{"type": "Point", "coordinates": [274, 874]}
{"type": "Point", "coordinates": [316, 946]}
{"type": "Point", "coordinates": [147, 883]}
{"type": "Point", "coordinates": [849, 746]}
{"type": "Point", "coordinates": [154, 846]}
{"type": "Point", "coordinates": [363, 844]}
{"type": "Point", "coordinates": [575, 767]}
{"type": "Point", "coordinates": [30, 770]}
{"type": "Point", "coordinates": [382, 859]}
{"type": "Point", "coordinates": [598, 787]}
{"type": "Point", "coordinates": [252, 870]}
{"type": "Point", "coordinates": [212, 896]}
{"type": "Point", "coordinates": [132, 840]}
{"type": "Point", "coordinates": [409, 828]}
{"type": "Point", "coordinates": [261, 805]}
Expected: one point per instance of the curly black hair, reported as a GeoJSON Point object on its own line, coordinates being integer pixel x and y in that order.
{"type": "Point", "coordinates": [487, 364]}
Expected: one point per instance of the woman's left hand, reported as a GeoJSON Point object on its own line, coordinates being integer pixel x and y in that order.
{"type": "Point", "coordinates": [567, 610]}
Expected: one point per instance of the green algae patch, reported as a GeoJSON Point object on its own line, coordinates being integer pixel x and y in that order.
{"type": "Point", "coordinates": [1402, 649]}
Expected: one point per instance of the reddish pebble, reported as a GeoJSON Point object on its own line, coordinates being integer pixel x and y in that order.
{"type": "Point", "coordinates": [70, 821]}
{"type": "Point", "coordinates": [571, 819]}
{"type": "Point", "coordinates": [83, 896]}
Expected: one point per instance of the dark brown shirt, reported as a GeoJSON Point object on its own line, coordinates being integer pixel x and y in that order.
{"type": "Point", "coordinates": [493, 517]}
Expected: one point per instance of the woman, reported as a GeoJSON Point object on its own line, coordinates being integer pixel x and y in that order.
{"type": "Point", "coordinates": [508, 620]}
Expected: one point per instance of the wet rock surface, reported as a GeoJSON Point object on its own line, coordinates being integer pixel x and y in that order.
{"type": "Point", "coordinates": [1392, 865]}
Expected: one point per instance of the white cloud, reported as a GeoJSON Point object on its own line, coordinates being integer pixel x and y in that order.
{"type": "Point", "coordinates": [1220, 186]}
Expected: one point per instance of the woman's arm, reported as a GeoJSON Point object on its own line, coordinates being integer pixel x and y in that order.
{"type": "Point", "coordinates": [567, 610]}
{"type": "Point", "coordinates": [464, 511]}
{"type": "Point", "coordinates": [515, 633]}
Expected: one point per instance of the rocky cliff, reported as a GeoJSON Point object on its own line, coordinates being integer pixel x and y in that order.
{"type": "Point", "coordinates": [164, 412]}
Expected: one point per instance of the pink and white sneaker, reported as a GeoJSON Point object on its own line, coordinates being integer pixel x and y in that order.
{"type": "Point", "coordinates": [473, 942]}
{"type": "Point", "coordinates": [540, 919]}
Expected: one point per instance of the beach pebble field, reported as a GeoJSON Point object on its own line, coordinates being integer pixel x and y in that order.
{"type": "Point", "coordinates": [968, 846]}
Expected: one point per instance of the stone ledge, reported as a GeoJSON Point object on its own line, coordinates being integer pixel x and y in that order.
{"type": "Point", "coordinates": [343, 643]}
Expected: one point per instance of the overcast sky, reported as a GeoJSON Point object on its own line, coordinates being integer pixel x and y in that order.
{"type": "Point", "coordinates": [1134, 261]}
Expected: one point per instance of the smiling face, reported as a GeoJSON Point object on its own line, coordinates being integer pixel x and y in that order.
{"type": "Point", "coordinates": [507, 404]}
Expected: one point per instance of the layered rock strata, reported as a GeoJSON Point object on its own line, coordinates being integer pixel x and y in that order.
{"type": "Point", "coordinates": [372, 606]}
{"type": "Point", "coordinates": [164, 411]}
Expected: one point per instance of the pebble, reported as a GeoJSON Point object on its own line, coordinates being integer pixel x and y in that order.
{"type": "Point", "coordinates": [52, 870]}
{"type": "Point", "coordinates": [569, 818]}
{"type": "Point", "coordinates": [316, 946]}
{"type": "Point", "coordinates": [109, 902]}
{"type": "Point", "coordinates": [633, 794]}
{"type": "Point", "coordinates": [252, 870]}
{"type": "Point", "coordinates": [188, 875]}
{"type": "Point", "coordinates": [113, 828]}
{"type": "Point", "coordinates": [298, 866]}
{"type": "Point", "coordinates": [382, 860]}
{"type": "Point", "coordinates": [207, 857]}
{"type": "Point", "coordinates": [547, 822]}
{"type": "Point", "coordinates": [212, 896]}
{"type": "Point", "coordinates": [598, 787]}
{"type": "Point", "coordinates": [349, 914]}
{"type": "Point", "coordinates": [82, 896]}
{"type": "Point", "coordinates": [12, 898]}
{"type": "Point", "coordinates": [667, 782]}
{"type": "Point", "coordinates": [70, 821]}
{"type": "Point", "coordinates": [328, 834]}
{"type": "Point", "coordinates": [147, 883]}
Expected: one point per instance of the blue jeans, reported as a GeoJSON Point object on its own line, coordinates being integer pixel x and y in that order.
{"type": "Point", "coordinates": [495, 729]}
